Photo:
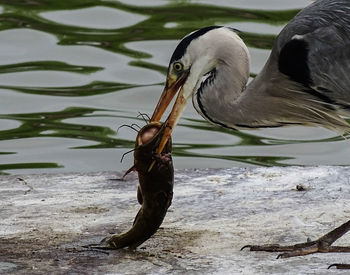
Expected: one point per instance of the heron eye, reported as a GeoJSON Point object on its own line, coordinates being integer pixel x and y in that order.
{"type": "Point", "coordinates": [178, 66]}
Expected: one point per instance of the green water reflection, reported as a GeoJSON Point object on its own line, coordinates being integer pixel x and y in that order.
{"type": "Point", "coordinates": [88, 105]}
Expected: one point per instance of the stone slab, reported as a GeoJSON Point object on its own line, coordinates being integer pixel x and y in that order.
{"type": "Point", "coordinates": [46, 219]}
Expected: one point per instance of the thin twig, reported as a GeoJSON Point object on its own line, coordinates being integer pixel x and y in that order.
{"type": "Point", "coordinates": [143, 117]}
{"type": "Point", "coordinates": [129, 126]}
{"type": "Point", "coordinates": [121, 160]}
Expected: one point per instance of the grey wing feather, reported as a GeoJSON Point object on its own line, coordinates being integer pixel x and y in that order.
{"type": "Point", "coordinates": [329, 63]}
{"type": "Point", "coordinates": [314, 49]}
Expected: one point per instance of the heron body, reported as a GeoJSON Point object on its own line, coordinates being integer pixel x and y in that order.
{"type": "Point", "coordinates": [305, 81]}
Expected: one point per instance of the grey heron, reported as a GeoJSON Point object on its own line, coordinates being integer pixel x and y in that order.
{"type": "Point", "coordinates": [306, 80]}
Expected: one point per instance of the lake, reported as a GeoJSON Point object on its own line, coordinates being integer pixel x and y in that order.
{"type": "Point", "coordinates": [73, 72]}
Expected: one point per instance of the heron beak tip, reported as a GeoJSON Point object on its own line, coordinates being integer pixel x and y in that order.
{"type": "Point", "coordinates": [171, 88]}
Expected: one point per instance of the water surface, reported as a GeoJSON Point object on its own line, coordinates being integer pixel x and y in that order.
{"type": "Point", "coordinates": [72, 72]}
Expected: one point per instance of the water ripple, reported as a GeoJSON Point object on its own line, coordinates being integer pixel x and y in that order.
{"type": "Point", "coordinates": [72, 72]}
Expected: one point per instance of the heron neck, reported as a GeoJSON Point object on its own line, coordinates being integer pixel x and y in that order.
{"type": "Point", "coordinates": [217, 99]}
{"type": "Point", "coordinates": [231, 103]}
{"type": "Point", "coordinates": [270, 100]}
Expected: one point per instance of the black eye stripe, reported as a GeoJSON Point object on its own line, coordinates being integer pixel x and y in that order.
{"type": "Point", "coordinates": [182, 46]}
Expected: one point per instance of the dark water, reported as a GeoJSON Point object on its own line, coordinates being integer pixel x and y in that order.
{"type": "Point", "coordinates": [72, 72]}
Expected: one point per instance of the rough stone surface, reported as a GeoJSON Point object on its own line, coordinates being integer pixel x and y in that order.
{"type": "Point", "coordinates": [46, 219]}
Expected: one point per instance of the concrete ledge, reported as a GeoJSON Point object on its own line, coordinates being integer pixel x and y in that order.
{"type": "Point", "coordinates": [45, 220]}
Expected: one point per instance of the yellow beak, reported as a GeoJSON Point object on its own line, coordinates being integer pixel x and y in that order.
{"type": "Point", "coordinates": [170, 90]}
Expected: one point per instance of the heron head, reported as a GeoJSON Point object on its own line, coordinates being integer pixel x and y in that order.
{"type": "Point", "coordinates": [193, 57]}
{"type": "Point", "coordinates": [201, 54]}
